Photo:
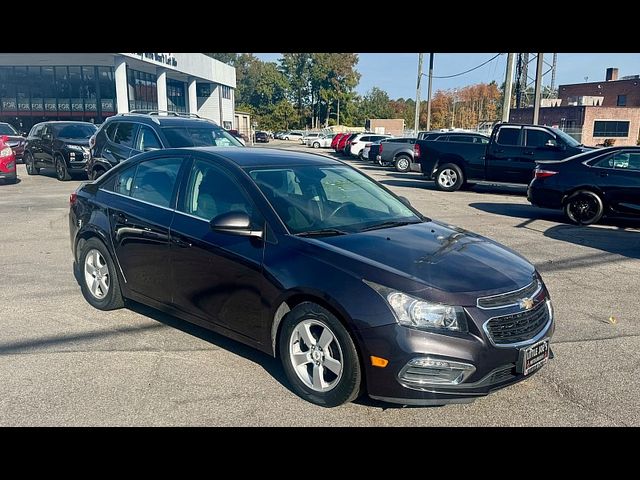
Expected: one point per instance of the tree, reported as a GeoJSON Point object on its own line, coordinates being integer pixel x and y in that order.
{"type": "Point", "coordinates": [228, 58]}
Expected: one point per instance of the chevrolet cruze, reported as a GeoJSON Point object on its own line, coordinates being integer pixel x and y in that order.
{"type": "Point", "coordinates": [310, 260]}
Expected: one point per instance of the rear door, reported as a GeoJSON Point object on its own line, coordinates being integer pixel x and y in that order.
{"type": "Point", "coordinates": [140, 215]}
{"type": "Point", "coordinates": [503, 154]}
{"type": "Point", "coordinates": [120, 144]}
{"type": "Point", "coordinates": [618, 175]}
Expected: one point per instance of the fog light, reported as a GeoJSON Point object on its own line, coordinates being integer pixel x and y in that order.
{"type": "Point", "coordinates": [424, 371]}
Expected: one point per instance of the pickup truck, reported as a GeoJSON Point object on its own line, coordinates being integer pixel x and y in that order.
{"type": "Point", "coordinates": [508, 157]}
{"type": "Point", "coordinates": [396, 152]}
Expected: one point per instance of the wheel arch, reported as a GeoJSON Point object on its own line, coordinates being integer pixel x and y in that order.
{"type": "Point", "coordinates": [454, 159]}
{"type": "Point", "coordinates": [591, 188]}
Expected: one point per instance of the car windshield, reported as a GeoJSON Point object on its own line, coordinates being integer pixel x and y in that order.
{"type": "Point", "coordinates": [6, 129]}
{"type": "Point", "coordinates": [568, 139]}
{"type": "Point", "coordinates": [75, 131]}
{"type": "Point", "coordinates": [331, 199]}
{"type": "Point", "coordinates": [199, 137]}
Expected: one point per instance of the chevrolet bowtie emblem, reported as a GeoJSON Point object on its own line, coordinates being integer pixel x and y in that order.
{"type": "Point", "coordinates": [526, 303]}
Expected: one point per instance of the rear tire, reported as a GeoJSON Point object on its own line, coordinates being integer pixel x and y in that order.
{"type": "Point", "coordinates": [316, 145]}
{"type": "Point", "coordinates": [449, 177]}
{"type": "Point", "coordinates": [403, 164]}
{"type": "Point", "coordinates": [62, 173]}
{"type": "Point", "coordinates": [319, 356]}
{"type": "Point", "coordinates": [29, 163]}
{"type": "Point", "coordinates": [98, 276]}
{"type": "Point", "coordinates": [584, 207]}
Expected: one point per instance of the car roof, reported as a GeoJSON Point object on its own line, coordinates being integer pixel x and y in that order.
{"type": "Point", "coordinates": [162, 120]}
{"type": "Point", "coordinates": [260, 157]}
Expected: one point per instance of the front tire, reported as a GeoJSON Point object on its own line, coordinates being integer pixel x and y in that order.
{"type": "Point", "coordinates": [449, 177]}
{"type": "Point", "coordinates": [98, 277]}
{"type": "Point", "coordinates": [584, 207]}
{"type": "Point", "coordinates": [62, 173]}
{"type": "Point", "coordinates": [29, 163]}
{"type": "Point", "coordinates": [319, 356]}
{"type": "Point", "coordinates": [316, 145]}
{"type": "Point", "coordinates": [403, 164]}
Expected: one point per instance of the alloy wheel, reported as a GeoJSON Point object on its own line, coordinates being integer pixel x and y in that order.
{"type": "Point", "coordinates": [447, 178]}
{"type": "Point", "coordinates": [316, 355]}
{"type": "Point", "coordinates": [96, 274]}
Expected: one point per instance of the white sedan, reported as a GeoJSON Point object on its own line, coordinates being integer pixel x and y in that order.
{"type": "Point", "coordinates": [323, 140]}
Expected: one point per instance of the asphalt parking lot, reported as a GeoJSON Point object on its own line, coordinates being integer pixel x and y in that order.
{"type": "Point", "coordinates": [64, 363]}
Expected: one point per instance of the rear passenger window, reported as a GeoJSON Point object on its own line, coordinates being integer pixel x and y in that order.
{"type": "Point", "coordinates": [508, 136]}
{"type": "Point", "coordinates": [125, 134]}
{"type": "Point", "coordinates": [155, 180]}
{"type": "Point", "coordinates": [461, 138]}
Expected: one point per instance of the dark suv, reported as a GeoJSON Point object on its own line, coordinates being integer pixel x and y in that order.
{"type": "Point", "coordinates": [60, 145]}
{"type": "Point", "coordinates": [128, 134]}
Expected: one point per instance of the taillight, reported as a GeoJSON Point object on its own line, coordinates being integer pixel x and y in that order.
{"type": "Point", "coordinates": [537, 173]}
{"type": "Point", "coordinates": [72, 199]}
{"type": "Point", "coordinates": [380, 150]}
{"type": "Point", "coordinates": [416, 150]}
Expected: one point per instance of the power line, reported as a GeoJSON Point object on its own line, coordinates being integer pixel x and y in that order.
{"type": "Point", "coordinates": [471, 69]}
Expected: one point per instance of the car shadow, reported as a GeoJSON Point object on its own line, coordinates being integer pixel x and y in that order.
{"type": "Point", "coordinates": [14, 182]}
{"type": "Point", "coordinates": [623, 239]}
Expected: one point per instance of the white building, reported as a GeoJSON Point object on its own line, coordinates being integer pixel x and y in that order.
{"type": "Point", "coordinates": [35, 87]}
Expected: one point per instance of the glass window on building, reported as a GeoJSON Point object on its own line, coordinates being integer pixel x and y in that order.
{"type": "Point", "coordinates": [142, 87]}
{"type": "Point", "coordinates": [622, 101]}
{"type": "Point", "coordinates": [226, 92]}
{"type": "Point", "coordinates": [203, 89]}
{"type": "Point", "coordinates": [176, 100]}
{"type": "Point", "coordinates": [610, 128]}
{"type": "Point", "coordinates": [63, 89]}
{"type": "Point", "coordinates": [107, 86]}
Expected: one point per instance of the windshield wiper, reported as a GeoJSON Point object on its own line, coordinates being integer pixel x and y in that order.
{"type": "Point", "coordinates": [321, 232]}
{"type": "Point", "coordinates": [389, 224]}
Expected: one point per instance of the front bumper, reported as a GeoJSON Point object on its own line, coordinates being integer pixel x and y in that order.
{"type": "Point", "coordinates": [8, 175]}
{"type": "Point", "coordinates": [495, 368]}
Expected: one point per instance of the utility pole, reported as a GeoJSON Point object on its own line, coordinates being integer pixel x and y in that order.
{"type": "Point", "coordinates": [429, 97]}
{"type": "Point", "coordinates": [338, 116]}
{"type": "Point", "coordinates": [453, 110]}
{"type": "Point", "coordinates": [538, 91]}
{"type": "Point", "coordinates": [416, 122]}
{"type": "Point", "coordinates": [553, 73]}
{"type": "Point", "coordinates": [508, 82]}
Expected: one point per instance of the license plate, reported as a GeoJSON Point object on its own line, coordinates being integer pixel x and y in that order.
{"type": "Point", "coordinates": [533, 357]}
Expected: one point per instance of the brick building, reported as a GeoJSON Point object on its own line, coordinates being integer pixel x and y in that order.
{"type": "Point", "coordinates": [593, 112]}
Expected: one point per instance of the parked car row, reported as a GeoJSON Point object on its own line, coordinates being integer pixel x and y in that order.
{"type": "Point", "coordinates": [353, 144]}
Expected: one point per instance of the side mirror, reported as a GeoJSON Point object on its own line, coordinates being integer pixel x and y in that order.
{"type": "Point", "coordinates": [404, 200]}
{"type": "Point", "coordinates": [25, 134]}
{"type": "Point", "coordinates": [47, 136]}
{"type": "Point", "coordinates": [234, 223]}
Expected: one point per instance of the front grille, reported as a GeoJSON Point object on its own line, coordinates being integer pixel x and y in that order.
{"type": "Point", "coordinates": [520, 326]}
{"type": "Point", "coordinates": [509, 298]}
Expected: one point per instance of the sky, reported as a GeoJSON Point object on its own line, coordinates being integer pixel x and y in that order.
{"type": "Point", "coordinates": [396, 72]}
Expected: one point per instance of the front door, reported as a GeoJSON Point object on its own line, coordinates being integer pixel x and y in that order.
{"type": "Point", "coordinates": [121, 146]}
{"type": "Point", "coordinates": [504, 154]}
{"type": "Point", "coordinates": [141, 215]}
{"type": "Point", "coordinates": [216, 276]}
{"type": "Point", "coordinates": [45, 152]}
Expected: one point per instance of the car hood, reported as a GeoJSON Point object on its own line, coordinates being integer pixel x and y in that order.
{"type": "Point", "coordinates": [13, 140]}
{"type": "Point", "coordinates": [440, 257]}
{"type": "Point", "coordinates": [74, 141]}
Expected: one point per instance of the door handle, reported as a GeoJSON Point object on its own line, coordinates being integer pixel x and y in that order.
{"type": "Point", "coordinates": [180, 243]}
{"type": "Point", "coordinates": [604, 174]}
{"type": "Point", "coordinates": [528, 152]}
{"type": "Point", "coordinates": [499, 150]}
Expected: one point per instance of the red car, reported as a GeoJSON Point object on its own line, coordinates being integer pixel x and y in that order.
{"type": "Point", "coordinates": [7, 161]}
{"type": "Point", "coordinates": [336, 139]}
{"type": "Point", "coordinates": [342, 142]}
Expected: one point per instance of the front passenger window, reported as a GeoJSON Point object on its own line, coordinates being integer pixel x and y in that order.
{"type": "Point", "coordinates": [211, 192]}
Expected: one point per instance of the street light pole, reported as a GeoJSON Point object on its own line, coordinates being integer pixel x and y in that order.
{"type": "Point", "coordinates": [416, 121]}
{"type": "Point", "coordinates": [508, 82]}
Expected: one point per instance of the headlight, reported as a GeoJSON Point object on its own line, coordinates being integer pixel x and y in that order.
{"type": "Point", "coordinates": [5, 152]}
{"type": "Point", "coordinates": [419, 313]}
{"type": "Point", "coordinates": [75, 148]}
